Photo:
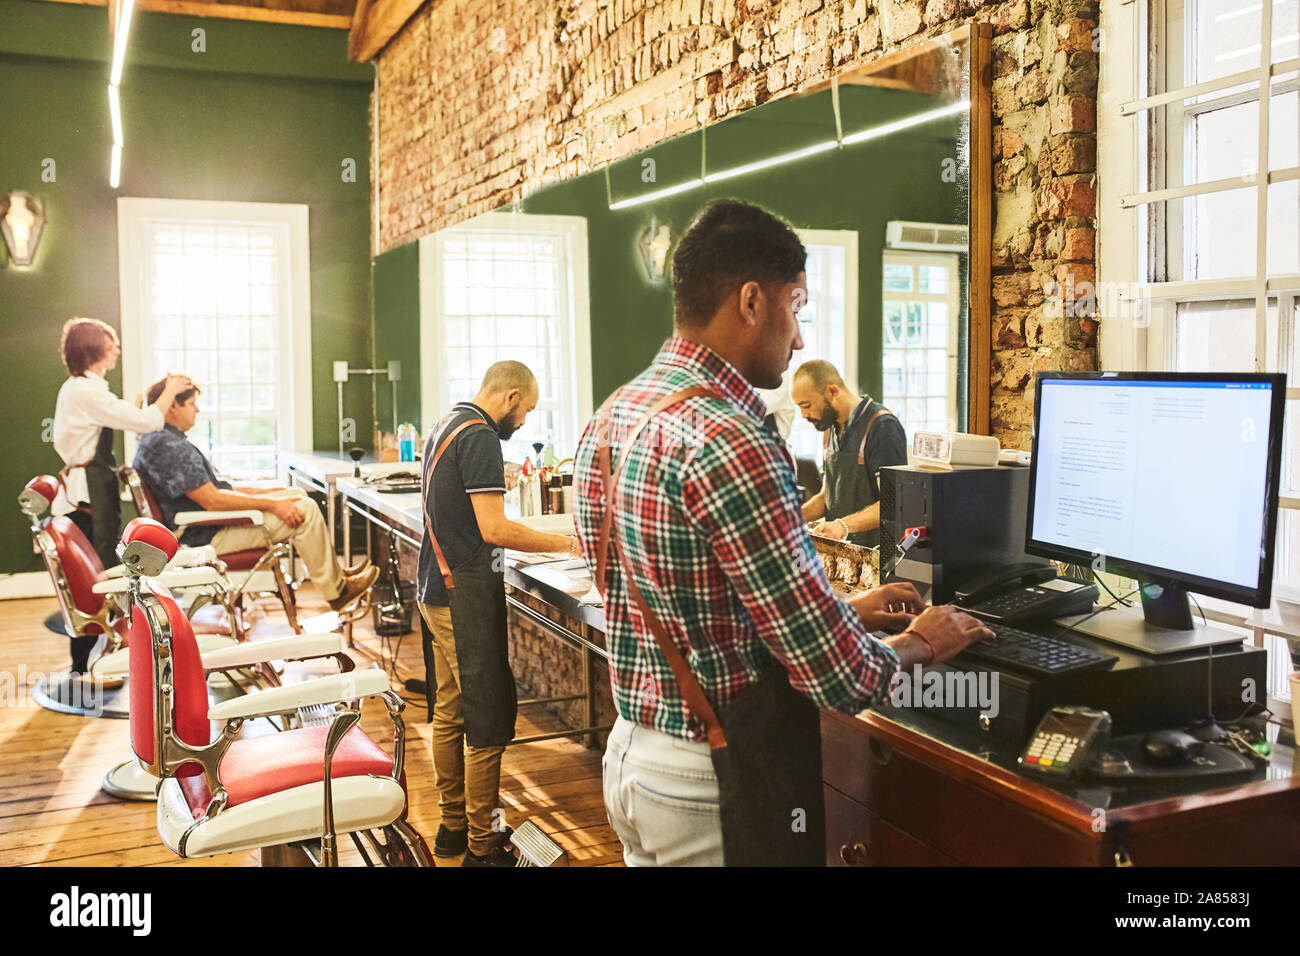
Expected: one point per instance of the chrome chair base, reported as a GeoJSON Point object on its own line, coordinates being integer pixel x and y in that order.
{"type": "Point", "coordinates": [129, 781]}
{"type": "Point", "coordinates": [81, 696]}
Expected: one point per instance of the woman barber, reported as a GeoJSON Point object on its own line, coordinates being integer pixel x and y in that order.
{"type": "Point", "coordinates": [85, 417]}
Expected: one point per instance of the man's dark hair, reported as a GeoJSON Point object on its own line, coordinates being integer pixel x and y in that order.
{"type": "Point", "coordinates": [157, 387]}
{"type": "Point", "coordinates": [728, 244]}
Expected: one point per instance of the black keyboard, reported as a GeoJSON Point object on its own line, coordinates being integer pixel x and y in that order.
{"type": "Point", "coordinates": [1044, 656]}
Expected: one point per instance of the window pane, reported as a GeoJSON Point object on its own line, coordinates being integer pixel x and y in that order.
{"type": "Point", "coordinates": [1227, 38]}
{"type": "Point", "coordinates": [1284, 228]}
{"type": "Point", "coordinates": [898, 278]}
{"type": "Point", "coordinates": [1291, 451]}
{"type": "Point", "coordinates": [933, 279]}
{"type": "Point", "coordinates": [1221, 234]}
{"type": "Point", "coordinates": [1284, 130]}
{"type": "Point", "coordinates": [1226, 143]}
{"type": "Point", "coordinates": [1216, 337]}
{"type": "Point", "coordinates": [1287, 548]}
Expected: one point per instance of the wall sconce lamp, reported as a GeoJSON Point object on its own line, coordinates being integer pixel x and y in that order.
{"type": "Point", "coordinates": [653, 245]}
{"type": "Point", "coordinates": [22, 218]}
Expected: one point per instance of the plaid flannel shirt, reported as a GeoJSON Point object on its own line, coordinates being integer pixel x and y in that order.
{"type": "Point", "coordinates": [710, 519]}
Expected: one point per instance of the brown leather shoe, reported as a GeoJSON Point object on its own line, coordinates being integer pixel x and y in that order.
{"type": "Point", "coordinates": [354, 586]}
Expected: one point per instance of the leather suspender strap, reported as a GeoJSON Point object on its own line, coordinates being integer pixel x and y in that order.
{"type": "Point", "coordinates": [862, 450]}
{"type": "Point", "coordinates": [603, 426]}
{"type": "Point", "coordinates": [428, 487]}
{"type": "Point", "coordinates": [691, 690]}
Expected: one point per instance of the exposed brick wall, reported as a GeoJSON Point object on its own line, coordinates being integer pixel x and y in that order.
{"type": "Point", "coordinates": [483, 101]}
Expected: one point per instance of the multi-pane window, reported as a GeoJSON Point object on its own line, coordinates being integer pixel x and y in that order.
{"type": "Point", "coordinates": [920, 314]}
{"type": "Point", "coordinates": [1219, 230]}
{"type": "Point", "coordinates": [1199, 251]}
{"type": "Point", "coordinates": [506, 291]}
{"type": "Point", "coordinates": [213, 296]}
{"type": "Point", "coordinates": [825, 322]}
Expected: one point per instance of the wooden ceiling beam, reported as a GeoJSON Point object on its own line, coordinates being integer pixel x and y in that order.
{"type": "Point", "coordinates": [229, 11]}
{"type": "Point", "coordinates": [374, 23]}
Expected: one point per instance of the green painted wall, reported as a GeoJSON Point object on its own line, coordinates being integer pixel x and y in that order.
{"type": "Point", "coordinates": [860, 187]}
{"type": "Point", "coordinates": [267, 114]}
{"type": "Point", "coordinates": [396, 276]}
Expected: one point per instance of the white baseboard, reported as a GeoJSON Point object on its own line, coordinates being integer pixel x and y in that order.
{"type": "Point", "coordinates": [29, 584]}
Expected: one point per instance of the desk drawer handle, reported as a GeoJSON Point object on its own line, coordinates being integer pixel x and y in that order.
{"type": "Point", "coordinates": [854, 855]}
{"type": "Point", "coordinates": [880, 752]}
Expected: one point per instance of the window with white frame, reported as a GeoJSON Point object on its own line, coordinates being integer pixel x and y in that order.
{"type": "Point", "coordinates": [509, 286]}
{"type": "Point", "coordinates": [1199, 206]}
{"type": "Point", "coordinates": [218, 291]}
{"type": "Point", "coordinates": [828, 321]}
{"type": "Point", "coordinates": [921, 309]}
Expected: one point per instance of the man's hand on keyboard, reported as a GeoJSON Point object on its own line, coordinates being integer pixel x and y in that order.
{"type": "Point", "coordinates": [890, 607]}
{"type": "Point", "coordinates": [937, 634]}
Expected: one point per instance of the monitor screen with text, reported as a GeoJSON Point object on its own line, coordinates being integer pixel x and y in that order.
{"type": "Point", "coordinates": [1168, 474]}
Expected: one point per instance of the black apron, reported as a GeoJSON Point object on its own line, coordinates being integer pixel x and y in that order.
{"type": "Point", "coordinates": [477, 596]}
{"type": "Point", "coordinates": [849, 483]}
{"type": "Point", "coordinates": [100, 520]}
{"type": "Point", "coordinates": [765, 744]}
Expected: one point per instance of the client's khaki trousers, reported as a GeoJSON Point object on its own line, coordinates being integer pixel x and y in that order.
{"type": "Point", "coordinates": [311, 538]}
{"type": "Point", "coordinates": [468, 778]}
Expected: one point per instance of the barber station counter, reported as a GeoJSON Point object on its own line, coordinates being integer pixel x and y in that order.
{"type": "Point", "coordinates": [556, 630]}
{"type": "Point", "coordinates": [903, 787]}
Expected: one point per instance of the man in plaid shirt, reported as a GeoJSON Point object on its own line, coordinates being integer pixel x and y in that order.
{"type": "Point", "coordinates": [709, 515]}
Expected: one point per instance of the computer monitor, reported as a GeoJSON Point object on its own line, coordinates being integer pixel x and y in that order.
{"type": "Point", "coordinates": [1171, 478]}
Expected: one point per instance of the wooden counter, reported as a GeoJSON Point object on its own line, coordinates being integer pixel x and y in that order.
{"type": "Point", "coordinates": [898, 795]}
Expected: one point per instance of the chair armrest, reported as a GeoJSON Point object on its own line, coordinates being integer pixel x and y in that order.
{"type": "Point", "coordinates": [334, 689]}
{"type": "Point", "coordinates": [186, 519]}
{"type": "Point", "coordinates": [192, 557]}
{"type": "Point", "coordinates": [178, 579]}
{"type": "Point", "coordinates": [298, 648]}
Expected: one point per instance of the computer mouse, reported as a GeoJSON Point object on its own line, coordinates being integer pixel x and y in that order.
{"type": "Point", "coordinates": [1168, 748]}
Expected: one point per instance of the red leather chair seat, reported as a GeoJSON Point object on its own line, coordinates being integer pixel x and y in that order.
{"type": "Point", "coordinates": [261, 766]}
{"type": "Point", "coordinates": [243, 560]}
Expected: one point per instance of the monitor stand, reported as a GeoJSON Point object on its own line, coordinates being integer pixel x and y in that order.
{"type": "Point", "coordinates": [1162, 625]}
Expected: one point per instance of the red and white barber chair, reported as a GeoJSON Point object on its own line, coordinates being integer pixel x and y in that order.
{"type": "Point", "coordinates": [82, 588]}
{"type": "Point", "coordinates": [249, 572]}
{"type": "Point", "coordinates": [94, 602]}
{"type": "Point", "coordinates": [222, 794]}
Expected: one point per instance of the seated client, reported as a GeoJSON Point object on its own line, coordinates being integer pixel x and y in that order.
{"type": "Point", "coordinates": [183, 479]}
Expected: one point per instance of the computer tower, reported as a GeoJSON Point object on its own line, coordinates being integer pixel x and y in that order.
{"type": "Point", "coordinates": [974, 521]}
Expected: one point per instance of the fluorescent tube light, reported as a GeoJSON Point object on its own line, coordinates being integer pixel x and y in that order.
{"type": "Point", "coordinates": [119, 41]}
{"type": "Point", "coordinates": [115, 169]}
{"type": "Point", "coordinates": [115, 114]}
{"type": "Point", "coordinates": [861, 136]}
{"type": "Point", "coordinates": [657, 194]}
{"type": "Point", "coordinates": [771, 161]}
{"type": "Point", "coordinates": [876, 132]}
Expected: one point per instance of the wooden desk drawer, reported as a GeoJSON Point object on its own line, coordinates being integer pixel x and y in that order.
{"type": "Point", "coordinates": [955, 817]}
{"type": "Point", "coordinates": [857, 837]}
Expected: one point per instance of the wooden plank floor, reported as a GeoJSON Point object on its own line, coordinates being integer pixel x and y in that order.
{"type": "Point", "coordinates": [53, 813]}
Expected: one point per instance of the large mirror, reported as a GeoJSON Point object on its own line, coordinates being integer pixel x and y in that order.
{"type": "Point", "coordinates": [884, 173]}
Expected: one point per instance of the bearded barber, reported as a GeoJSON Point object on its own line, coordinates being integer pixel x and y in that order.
{"type": "Point", "coordinates": [462, 600]}
{"type": "Point", "coordinates": [861, 436]}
